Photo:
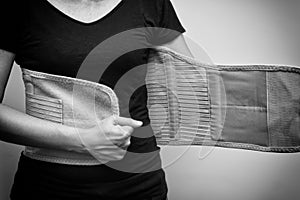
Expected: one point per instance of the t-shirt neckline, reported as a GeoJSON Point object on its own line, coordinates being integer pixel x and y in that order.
{"type": "Point", "coordinates": [68, 17]}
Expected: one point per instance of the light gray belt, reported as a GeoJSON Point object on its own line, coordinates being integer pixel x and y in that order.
{"type": "Point", "coordinates": [253, 107]}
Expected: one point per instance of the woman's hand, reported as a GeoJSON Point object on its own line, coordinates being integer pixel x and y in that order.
{"type": "Point", "coordinates": [109, 139]}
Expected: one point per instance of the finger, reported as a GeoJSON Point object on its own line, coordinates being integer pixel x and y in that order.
{"type": "Point", "coordinates": [127, 130]}
{"type": "Point", "coordinates": [122, 141]}
{"type": "Point", "coordinates": [120, 132]}
{"type": "Point", "coordinates": [126, 134]}
{"type": "Point", "coordinates": [123, 121]}
{"type": "Point", "coordinates": [125, 144]}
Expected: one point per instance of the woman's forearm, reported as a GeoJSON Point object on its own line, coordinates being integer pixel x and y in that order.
{"type": "Point", "coordinates": [19, 128]}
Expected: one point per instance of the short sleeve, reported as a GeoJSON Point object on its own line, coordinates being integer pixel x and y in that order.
{"type": "Point", "coordinates": [9, 32]}
{"type": "Point", "coordinates": [165, 25]}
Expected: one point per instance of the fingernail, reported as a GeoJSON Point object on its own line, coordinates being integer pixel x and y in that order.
{"type": "Point", "coordinates": [140, 123]}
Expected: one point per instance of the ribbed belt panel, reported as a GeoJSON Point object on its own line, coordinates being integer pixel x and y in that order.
{"type": "Point", "coordinates": [177, 100]}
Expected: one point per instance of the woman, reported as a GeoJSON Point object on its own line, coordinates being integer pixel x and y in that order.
{"type": "Point", "coordinates": [55, 37]}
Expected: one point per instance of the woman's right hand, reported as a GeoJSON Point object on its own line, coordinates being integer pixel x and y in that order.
{"type": "Point", "coordinates": [109, 139]}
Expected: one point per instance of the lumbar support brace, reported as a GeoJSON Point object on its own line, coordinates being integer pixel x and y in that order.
{"type": "Point", "coordinates": [254, 107]}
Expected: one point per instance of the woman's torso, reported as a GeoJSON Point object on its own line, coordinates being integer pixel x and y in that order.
{"type": "Point", "coordinates": [52, 42]}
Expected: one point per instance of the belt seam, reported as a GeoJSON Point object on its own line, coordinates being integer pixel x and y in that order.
{"type": "Point", "coordinates": [232, 67]}
{"type": "Point", "coordinates": [68, 161]}
{"type": "Point", "coordinates": [235, 145]}
{"type": "Point", "coordinates": [268, 113]}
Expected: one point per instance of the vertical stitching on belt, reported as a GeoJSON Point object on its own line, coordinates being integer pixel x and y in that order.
{"type": "Point", "coordinates": [268, 113]}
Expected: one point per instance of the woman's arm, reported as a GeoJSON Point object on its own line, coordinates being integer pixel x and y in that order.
{"type": "Point", "coordinates": [19, 128]}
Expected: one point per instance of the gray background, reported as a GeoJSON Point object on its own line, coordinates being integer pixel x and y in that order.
{"type": "Point", "coordinates": [232, 32]}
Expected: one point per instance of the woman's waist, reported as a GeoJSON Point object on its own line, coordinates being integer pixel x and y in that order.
{"type": "Point", "coordinates": [70, 173]}
{"type": "Point", "coordinates": [142, 154]}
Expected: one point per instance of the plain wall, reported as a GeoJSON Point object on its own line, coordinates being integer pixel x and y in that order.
{"type": "Point", "coordinates": [231, 32]}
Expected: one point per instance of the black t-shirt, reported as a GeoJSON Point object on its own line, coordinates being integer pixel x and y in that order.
{"type": "Point", "coordinates": [45, 39]}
